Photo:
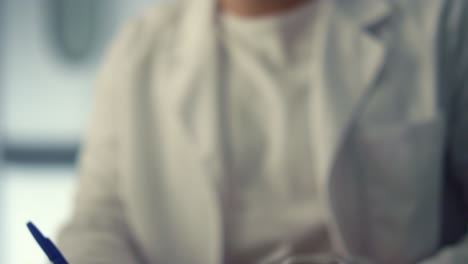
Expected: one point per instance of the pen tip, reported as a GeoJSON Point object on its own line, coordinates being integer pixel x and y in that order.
{"type": "Point", "coordinates": [33, 229]}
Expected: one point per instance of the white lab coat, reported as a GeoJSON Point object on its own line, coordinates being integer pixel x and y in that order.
{"type": "Point", "coordinates": [393, 132]}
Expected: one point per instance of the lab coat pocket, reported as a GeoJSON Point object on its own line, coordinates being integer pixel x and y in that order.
{"type": "Point", "coordinates": [402, 150]}
{"type": "Point", "coordinates": [401, 166]}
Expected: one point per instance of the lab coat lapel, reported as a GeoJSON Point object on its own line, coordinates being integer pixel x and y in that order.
{"type": "Point", "coordinates": [192, 113]}
{"type": "Point", "coordinates": [350, 60]}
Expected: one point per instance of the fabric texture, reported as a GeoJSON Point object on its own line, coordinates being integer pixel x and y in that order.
{"type": "Point", "coordinates": [270, 58]}
{"type": "Point", "coordinates": [392, 130]}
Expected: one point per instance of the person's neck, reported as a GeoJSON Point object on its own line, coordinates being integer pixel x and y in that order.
{"type": "Point", "coordinates": [255, 8]}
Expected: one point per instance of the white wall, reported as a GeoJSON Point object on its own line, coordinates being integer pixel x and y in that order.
{"type": "Point", "coordinates": [43, 99]}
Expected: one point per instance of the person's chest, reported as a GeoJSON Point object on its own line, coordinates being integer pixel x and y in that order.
{"type": "Point", "coordinates": [267, 87]}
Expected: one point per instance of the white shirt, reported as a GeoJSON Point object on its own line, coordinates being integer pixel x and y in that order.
{"type": "Point", "coordinates": [274, 196]}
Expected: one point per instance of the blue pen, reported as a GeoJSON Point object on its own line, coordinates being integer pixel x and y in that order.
{"type": "Point", "coordinates": [47, 246]}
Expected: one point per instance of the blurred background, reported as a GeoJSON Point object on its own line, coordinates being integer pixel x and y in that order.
{"type": "Point", "coordinates": [49, 53]}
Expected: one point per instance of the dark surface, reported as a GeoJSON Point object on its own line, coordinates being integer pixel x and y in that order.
{"type": "Point", "coordinates": [40, 154]}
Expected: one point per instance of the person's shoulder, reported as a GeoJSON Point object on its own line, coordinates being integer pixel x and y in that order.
{"type": "Point", "coordinates": [161, 15]}
{"type": "Point", "coordinates": [435, 10]}
{"type": "Point", "coordinates": [156, 19]}
{"type": "Point", "coordinates": [146, 30]}
{"type": "Point", "coordinates": [422, 14]}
